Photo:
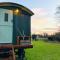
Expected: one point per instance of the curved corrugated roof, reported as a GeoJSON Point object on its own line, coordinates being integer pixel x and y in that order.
{"type": "Point", "coordinates": [16, 5]}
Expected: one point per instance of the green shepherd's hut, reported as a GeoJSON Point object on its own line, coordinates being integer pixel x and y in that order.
{"type": "Point", "coordinates": [15, 29]}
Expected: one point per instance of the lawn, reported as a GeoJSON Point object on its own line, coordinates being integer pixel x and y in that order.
{"type": "Point", "coordinates": [43, 51]}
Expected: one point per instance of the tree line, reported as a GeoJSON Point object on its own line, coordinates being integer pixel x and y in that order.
{"type": "Point", "coordinates": [54, 37]}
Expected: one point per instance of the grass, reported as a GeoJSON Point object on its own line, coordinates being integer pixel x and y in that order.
{"type": "Point", "coordinates": [43, 51]}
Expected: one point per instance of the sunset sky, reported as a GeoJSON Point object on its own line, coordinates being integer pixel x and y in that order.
{"type": "Point", "coordinates": [43, 19]}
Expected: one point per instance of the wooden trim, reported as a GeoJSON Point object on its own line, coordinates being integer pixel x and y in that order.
{"type": "Point", "coordinates": [13, 53]}
{"type": "Point", "coordinates": [18, 40]}
{"type": "Point", "coordinates": [15, 46]}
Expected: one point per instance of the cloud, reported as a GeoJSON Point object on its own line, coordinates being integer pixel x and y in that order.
{"type": "Point", "coordinates": [42, 19]}
{"type": "Point", "coordinates": [39, 11]}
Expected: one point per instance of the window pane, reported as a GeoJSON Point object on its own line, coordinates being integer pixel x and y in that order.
{"type": "Point", "coordinates": [6, 17]}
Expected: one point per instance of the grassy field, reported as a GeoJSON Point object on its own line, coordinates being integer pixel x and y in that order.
{"type": "Point", "coordinates": [43, 51]}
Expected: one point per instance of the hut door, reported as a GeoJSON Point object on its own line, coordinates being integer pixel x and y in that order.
{"type": "Point", "coordinates": [6, 26]}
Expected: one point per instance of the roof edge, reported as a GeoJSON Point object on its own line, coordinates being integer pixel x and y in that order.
{"type": "Point", "coordinates": [18, 5]}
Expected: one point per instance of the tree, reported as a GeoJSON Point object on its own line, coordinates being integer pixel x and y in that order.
{"type": "Point", "coordinates": [58, 14]}
{"type": "Point", "coordinates": [45, 35]}
{"type": "Point", "coordinates": [34, 36]}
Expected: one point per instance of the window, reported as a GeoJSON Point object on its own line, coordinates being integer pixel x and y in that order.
{"type": "Point", "coordinates": [6, 17]}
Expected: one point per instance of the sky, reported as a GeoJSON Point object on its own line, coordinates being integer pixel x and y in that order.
{"type": "Point", "coordinates": [44, 11]}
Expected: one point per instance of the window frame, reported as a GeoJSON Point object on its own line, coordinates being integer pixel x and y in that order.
{"type": "Point", "coordinates": [6, 17]}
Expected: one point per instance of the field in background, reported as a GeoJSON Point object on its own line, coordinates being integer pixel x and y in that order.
{"type": "Point", "coordinates": [43, 51]}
